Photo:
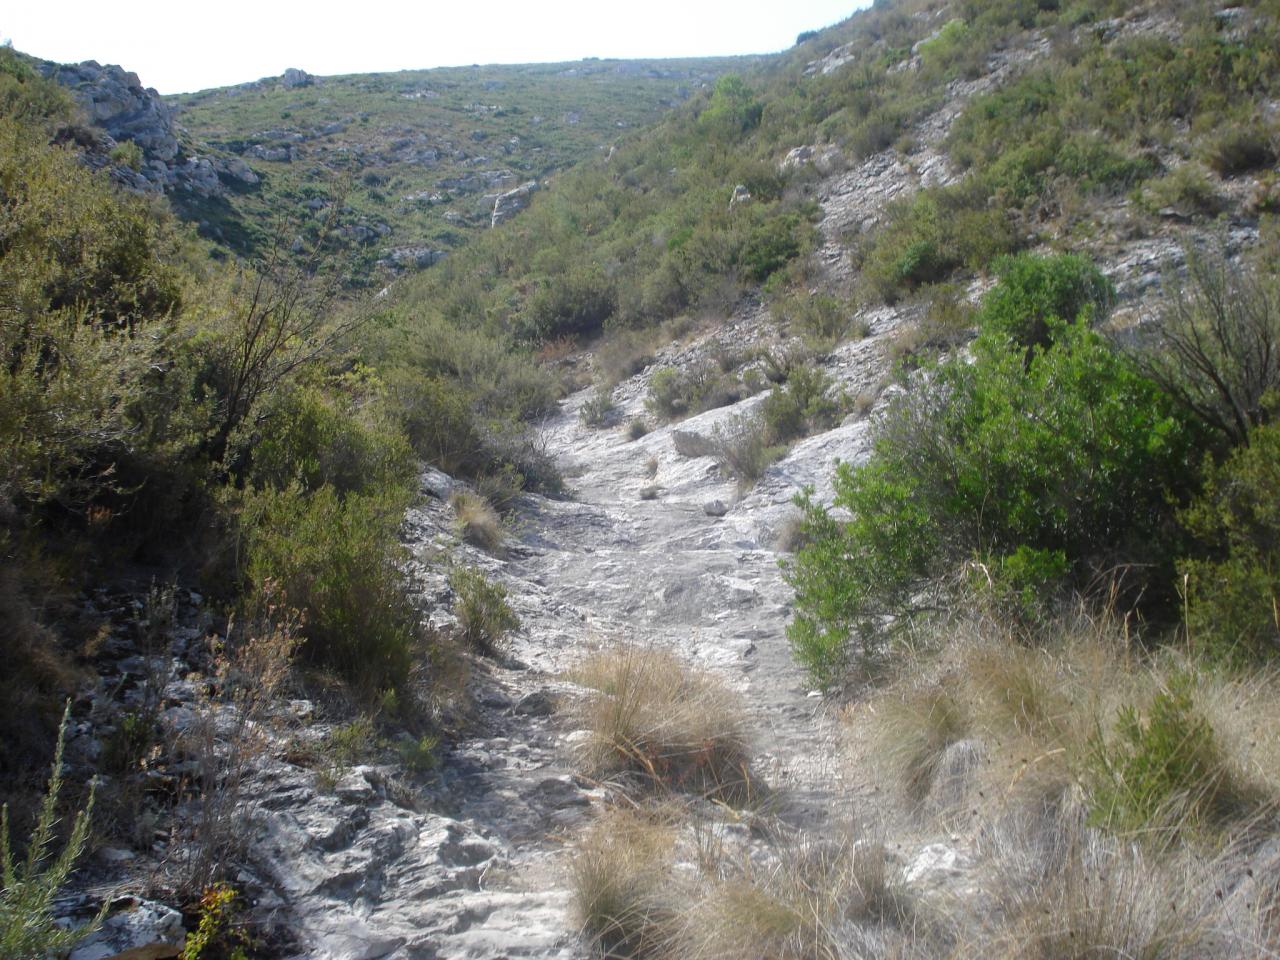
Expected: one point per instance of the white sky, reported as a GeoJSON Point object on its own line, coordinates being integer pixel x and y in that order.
{"type": "Point", "coordinates": [182, 46]}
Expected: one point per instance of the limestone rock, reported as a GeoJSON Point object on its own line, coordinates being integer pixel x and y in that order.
{"type": "Point", "coordinates": [508, 204]}
{"type": "Point", "coordinates": [293, 78]}
{"type": "Point", "coordinates": [144, 931]}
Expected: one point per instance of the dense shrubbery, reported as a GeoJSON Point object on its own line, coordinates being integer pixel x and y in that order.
{"type": "Point", "coordinates": [1052, 465]}
{"type": "Point", "coordinates": [1233, 600]}
{"type": "Point", "coordinates": [337, 560]}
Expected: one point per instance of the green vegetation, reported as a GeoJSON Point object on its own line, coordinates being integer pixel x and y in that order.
{"type": "Point", "coordinates": [27, 927]}
{"type": "Point", "coordinates": [411, 156]}
{"type": "Point", "coordinates": [961, 474]}
{"type": "Point", "coordinates": [484, 616]}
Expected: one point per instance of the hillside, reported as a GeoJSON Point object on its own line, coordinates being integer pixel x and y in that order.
{"type": "Point", "coordinates": [415, 160]}
{"type": "Point", "coordinates": [837, 520]}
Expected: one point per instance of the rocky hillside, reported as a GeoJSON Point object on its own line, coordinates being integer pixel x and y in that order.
{"type": "Point", "coordinates": [415, 161]}
{"type": "Point", "coordinates": [840, 521]}
{"type": "Point", "coordinates": [399, 168]}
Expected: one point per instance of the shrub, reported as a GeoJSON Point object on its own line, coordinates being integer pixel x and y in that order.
{"type": "Point", "coordinates": [478, 523]}
{"type": "Point", "coordinates": [654, 718]}
{"type": "Point", "coordinates": [1217, 345]}
{"type": "Point", "coordinates": [337, 560]}
{"type": "Point", "coordinates": [799, 407]}
{"type": "Point", "coordinates": [690, 444]}
{"type": "Point", "coordinates": [958, 468]}
{"type": "Point", "coordinates": [623, 354]}
{"type": "Point", "coordinates": [574, 303]}
{"type": "Point", "coordinates": [770, 246]}
{"type": "Point", "coordinates": [27, 926]}
{"type": "Point", "coordinates": [1037, 294]}
{"type": "Point", "coordinates": [1164, 769]}
{"type": "Point", "coordinates": [598, 410]}
{"type": "Point", "coordinates": [437, 419]}
{"type": "Point", "coordinates": [1233, 602]}
{"type": "Point", "coordinates": [484, 616]}
{"type": "Point", "coordinates": [501, 487]}
{"type": "Point", "coordinates": [742, 448]}
{"type": "Point", "coordinates": [821, 319]}
{"type": "Point", "coordinates": [311, 440]}
{"type": "Point", "coordinates": [1187, 190]}
{"type": "Point", "coordinates": [637, 427]}
{"type": "Point", "coordinates": [1239, 148]}
{"type": "Point", "coordinates": [933, 234]}
{"type": "Point", "coordinates": [345, 746]}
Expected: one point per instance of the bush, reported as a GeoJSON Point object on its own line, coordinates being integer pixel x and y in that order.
{"type": "Point", "coordinates": [770, 246]}
{"type": "Point", "coordinates": [1037, 294]}
{"type": "Point", "coordinates": [799, 407]}
{"type": "Point", "coordinates": [27, 926]}
{"type": "Point", "coordinates": [598, 409]}
{"type": "Point", "coordinates": [928, 237]}
{"type": "Point", "coordinates": [314, 440]}
{"type": "Point", "coordinates": [742, 449]}
{"type": "Point", "coordinates": [438, 421]}
{"type": "Point", "coordinates": [337, 560]}
{"type": "Point", "coordinates": [1217, 345]}
{"type": "Point", "coordinates": [1233, 601]}
{"type": "Point", "coordinates": [1162, 770]}
{"type": "Point", "coordinates": [959, 469]}
{"type": "Point", "coordinates": [1239, 148]}
{"type": "Point", "coordinates": [574, 303]}
{"type": "Point", "coordinates": [484, 616]}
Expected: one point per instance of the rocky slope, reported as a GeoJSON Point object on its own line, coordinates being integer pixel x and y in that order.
{"type": "Point", "coordinates": [470, 861]}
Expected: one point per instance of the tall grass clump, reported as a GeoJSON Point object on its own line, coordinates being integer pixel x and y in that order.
{"type": "Point", "coordinates": [655, 721]}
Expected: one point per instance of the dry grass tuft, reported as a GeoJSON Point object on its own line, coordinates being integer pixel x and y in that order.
{"type": "Point", "coordinates": [622, 884]}
{"type": "Point", "coordinates": [478, 523]}
{"type": "Point", "coordinates": [1065, 891]}
{"type": "Point", "coordinates": [816, 901]}
{"type": "Point", "coordinates": [653, 718]}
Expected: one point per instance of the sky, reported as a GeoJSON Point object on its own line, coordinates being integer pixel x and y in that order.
{"type": "Point", "coordinates": [181, 47]}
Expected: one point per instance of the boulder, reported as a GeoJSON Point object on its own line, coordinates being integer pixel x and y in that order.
{"type": "Point", "coordinates": [143, 931]}
{"type": "Point", "coordinates": [293, 78]}
{"type": "Point", "coordinates": [508, 204]}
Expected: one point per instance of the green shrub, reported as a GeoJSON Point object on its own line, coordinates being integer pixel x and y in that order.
{"type": "Point", "coordinates": [574, 303]}
{"type": "Point", "coordinates": [1233, 603]}
{"type": "Point", "coordinates": [770, 246]}
{"type": "Point", "coordinates": [799, 407]}
{"type": "Point", "coordinates": [960, 469]}
{"type": "Point", "coordinates": [1162, 769]}
{"type": "Point", "coordinates": [1239, 148]}
{"type": "Point", "coordinates": [936, 232]}
{"type": "Point", "coordinates": [1037, 294]}
{"type": "Point", "coordinates": [484, 616]}
{"type": "Point", "coordinates": [27, 926]}
{"type": "Point", "coordinates": [337, 560]}
{"type": "Point", "coordinates": [820, 319]}
{"type": "Point", "coordinates": [313, 439]}
{"type": "Point", "coordinates": [598, 410]}
{"type": "Point", "coordinates": [1186, 190]}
